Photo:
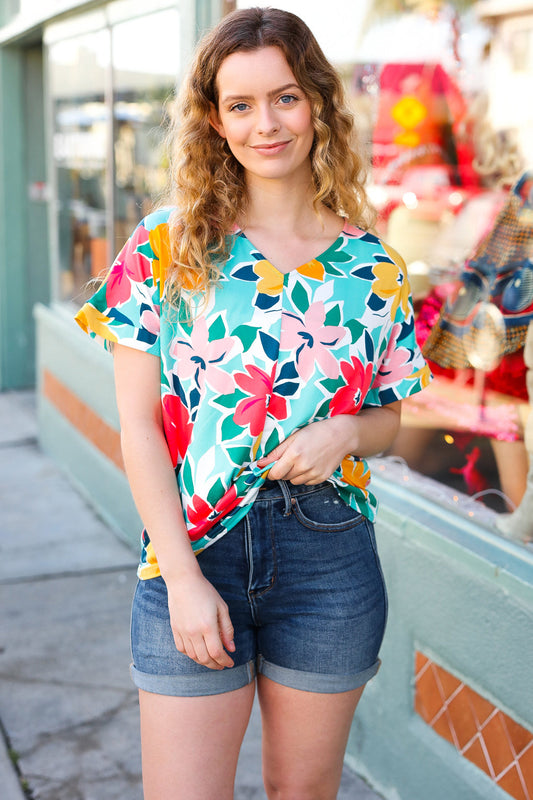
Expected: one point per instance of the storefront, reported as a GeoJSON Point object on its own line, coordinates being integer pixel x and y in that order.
{"type": "Point", "coordinates": [441, 95]}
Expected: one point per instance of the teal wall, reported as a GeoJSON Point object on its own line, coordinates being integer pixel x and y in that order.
{"type": "Point", "coordinates": [24, 250]}
{"type": "Point", "coordinates": [464, 597]}
{"type": "Point", "coordinates": [86, 370]}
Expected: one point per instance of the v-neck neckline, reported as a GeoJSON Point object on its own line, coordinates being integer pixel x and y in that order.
{"type": "Point", "coordinates": [239, 231]}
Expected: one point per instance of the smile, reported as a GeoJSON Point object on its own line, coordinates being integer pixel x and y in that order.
{"type": "Point", "coordinates": [270, 149]}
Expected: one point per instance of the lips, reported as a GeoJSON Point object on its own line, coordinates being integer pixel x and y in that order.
{"type": "Point", "coordinates": [274, 147]}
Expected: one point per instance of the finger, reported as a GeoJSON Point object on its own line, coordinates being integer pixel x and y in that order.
{"type": "Point", "coordinates": [274, 454]}
{"type": "Point", "coordinates": [178, 641]}
{"type": "Point", "coordinates": [216, 653]}
{"type": "Point", "coordinates": [203, 656]}
{"type": "Point", "coordinates": [225, 627]}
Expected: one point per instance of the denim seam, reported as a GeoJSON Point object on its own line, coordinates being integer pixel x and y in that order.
{"type": "Point", "coordinates": [324, 527]}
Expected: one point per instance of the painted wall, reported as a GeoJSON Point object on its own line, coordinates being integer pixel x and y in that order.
{"type": "Point", "coordinates": [78, 417]}
{"type": "Point", "coordinates": [462, 597]}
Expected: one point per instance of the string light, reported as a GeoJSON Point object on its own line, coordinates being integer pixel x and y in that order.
{"type": "Point", "coordinates": [397, 469]}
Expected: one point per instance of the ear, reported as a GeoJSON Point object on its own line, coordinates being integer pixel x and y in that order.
{"type": "Point", "coordinates": [214, 120]}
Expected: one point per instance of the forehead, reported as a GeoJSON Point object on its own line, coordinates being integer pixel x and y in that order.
{"type": "Point", "coordinates": [251, 71]}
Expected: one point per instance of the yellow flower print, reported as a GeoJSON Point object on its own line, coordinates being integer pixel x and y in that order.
{"type": "Point", "coordinates": [355, 473]}
{"type": "Point", "coordinates": [89, 318]}
{"type": "Point", "coordinates": [391, 281]}
{"type": "Point", "coordinates": [424, 374]}
{"type": "Point", "coordinates": [160, 243]}
{"type": "Point", "coordinates": [151, 568]}
{"type": "Point", "coordinates": [313, 269]}
{"type": "Point", "coordinates": [271, 279]}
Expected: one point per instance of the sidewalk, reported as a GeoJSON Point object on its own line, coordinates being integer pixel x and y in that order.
{"type": "Point", "coordinates": [68, 710]}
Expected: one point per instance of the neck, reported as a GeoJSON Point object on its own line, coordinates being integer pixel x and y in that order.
{"type": "Point", "coordinates": [274, 204]}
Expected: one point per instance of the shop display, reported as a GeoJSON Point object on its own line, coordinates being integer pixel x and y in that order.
{"type": "Point", "coordinates": [454, 204]}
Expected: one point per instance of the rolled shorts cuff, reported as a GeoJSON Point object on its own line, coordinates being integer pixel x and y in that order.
{"type": "Point", "coordinates": [201, 684]}
{"type": "Point", "coordinates": [315, 681]}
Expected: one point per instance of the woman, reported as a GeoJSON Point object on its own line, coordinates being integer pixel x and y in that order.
{"type": "Point", "coordinates": [262, 348]}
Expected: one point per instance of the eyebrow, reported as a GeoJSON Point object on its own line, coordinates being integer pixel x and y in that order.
{"type": "Point", "coordinates": [232, 97]}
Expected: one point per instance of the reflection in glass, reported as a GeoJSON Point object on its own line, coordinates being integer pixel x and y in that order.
{"type": "Point", "coordinates": [78, 70]}
{"type": "Point", "coordinates": [142, 87]}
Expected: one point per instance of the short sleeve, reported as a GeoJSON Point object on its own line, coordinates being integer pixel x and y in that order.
{"type": "Point", "coordinates": [126, 307]}
{"type": "Point", "coordinates": [402, 370]}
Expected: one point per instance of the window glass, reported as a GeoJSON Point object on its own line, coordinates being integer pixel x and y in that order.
{"type": "Point", "coordinates": [455, 201]}
{"type": "Point", "coordinates": [440, 103]}
{"type": "Point", "coordinates": [143, 86]}
{"type": "Point", "coordinates": [78, 72]}
{"type": "Point", "coordinates": [108, 91]}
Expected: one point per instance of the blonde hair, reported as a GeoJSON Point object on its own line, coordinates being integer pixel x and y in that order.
{"type": "Point", "coordinates": [207, 183]}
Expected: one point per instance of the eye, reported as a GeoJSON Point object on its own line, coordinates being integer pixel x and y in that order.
{"type": "Point", "coordinates": [287, 99]}
{"type": "Point", "coordinates": [239, 107]}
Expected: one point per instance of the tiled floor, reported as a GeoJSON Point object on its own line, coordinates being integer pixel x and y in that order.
{"type": "Point", "coordinates": [479, 730]}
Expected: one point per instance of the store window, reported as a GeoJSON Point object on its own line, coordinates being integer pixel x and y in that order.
{"type": "Point", "coordinates": [450, 179]}
{"type": "Point", "coordinates": [78, 74]}
{"type": "Point", "coordinates": [142, 93]}
{"type": "Point", "coordinates": [439, 95]}
{"type": "Point", "coordinates": [109, 92]}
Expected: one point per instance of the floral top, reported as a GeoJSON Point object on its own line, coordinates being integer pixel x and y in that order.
{"type": "Point", "coordinates": [267, 354]}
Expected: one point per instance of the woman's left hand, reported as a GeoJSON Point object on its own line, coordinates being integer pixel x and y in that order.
{"type": "Point", "coordinates": [311, 454]}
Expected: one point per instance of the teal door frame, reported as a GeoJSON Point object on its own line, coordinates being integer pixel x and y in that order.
{"type": "Point", "coordinates": [24, 248]}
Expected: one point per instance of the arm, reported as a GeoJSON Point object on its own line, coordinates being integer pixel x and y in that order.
{"type": "Point", "coordinates": [311, 454]}
{"type": "Point", "coordinates": [199, 617]}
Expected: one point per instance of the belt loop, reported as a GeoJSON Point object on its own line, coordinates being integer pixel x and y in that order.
{"type": "Point", "coordinates": [287, 497]}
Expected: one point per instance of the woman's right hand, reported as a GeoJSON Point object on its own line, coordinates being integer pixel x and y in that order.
{"type": "Point", "coordinates": [200, 621]}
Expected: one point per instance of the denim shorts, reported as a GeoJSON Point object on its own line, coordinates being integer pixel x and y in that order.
{"type": "Point", "coordinates": [302, 579]}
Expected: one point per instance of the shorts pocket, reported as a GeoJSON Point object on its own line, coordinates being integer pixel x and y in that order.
{"type": "Point", "coordinates": [325, 511]}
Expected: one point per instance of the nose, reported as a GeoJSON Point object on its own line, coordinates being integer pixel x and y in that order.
{"type": "Point", "coordinates": [267, 123]}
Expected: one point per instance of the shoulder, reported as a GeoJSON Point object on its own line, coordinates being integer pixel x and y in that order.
{"type": "Point", "coordinates": [372, 246]}
{"type": "Point", "coordinates": [153, 235]}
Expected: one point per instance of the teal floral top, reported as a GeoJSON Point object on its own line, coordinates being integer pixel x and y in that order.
{"type": "Point", "coordinates": [267, 354]}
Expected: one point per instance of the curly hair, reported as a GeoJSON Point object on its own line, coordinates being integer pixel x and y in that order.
{"type": "Point", "coordinates": [207, 183]}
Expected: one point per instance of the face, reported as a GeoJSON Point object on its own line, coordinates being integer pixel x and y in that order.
{"type": "Point", "coordinates": [264, 115]}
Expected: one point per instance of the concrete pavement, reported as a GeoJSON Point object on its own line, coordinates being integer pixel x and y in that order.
{"type": "Point", "coordinates": [68, 710]}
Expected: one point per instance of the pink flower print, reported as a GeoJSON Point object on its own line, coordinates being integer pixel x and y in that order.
{"type": "Point", "coordinates": [350, 398]}
{"type": "Point", "coordinates": [252, 410]}
{"type": "Point", "coordinates": [150, 320]}
{"type": "Point", "coordinates": [130, 267]}
{"type": "Point", "coordinates": [396, 363]}
{"type": "Point", "coordinates": [312, 341]}
{"type": "Point", "coordinates": [201, 359]}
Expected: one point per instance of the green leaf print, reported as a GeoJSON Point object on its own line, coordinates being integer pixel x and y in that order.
{"type": "Point", "coordinates": [239, 455]}
{"type": "Point", "coordinates": [356, 328]}
{"type": "Point", "coordinates": [186, 477]}
{"type": "Point", "coordinates": [333, 316]}
{"type": "Point", "coordinates": [337, 253]}
{"type": "Point", "coordinates": [271, 442]}
{"type": "Point", "coordinates": [331, 384]}
{"type": "Point", "coordinates": [300, 297]}
{"type": "Point", "coordinates": [229, 400]}
{"type": "Point", "coordinates": [145, 249]}
{"type": "Point", "coordinates": [217, 329]}
{"type": "Point", "coordinates": [215, 492]}
{"type": "Point", "coordinates": [229, 430]}
{"type": "Point", "coordinates": [247, 335]}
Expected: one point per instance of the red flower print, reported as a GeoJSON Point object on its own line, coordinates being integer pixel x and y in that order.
{"type": "Point", "coordinates": [177, 426]}
{"type": "Point", "coordinates": [203, 516]}
{"type": "Point", "coordinates": [252, 410]}
{"type": "Point", "coordinates": [350, 398]}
